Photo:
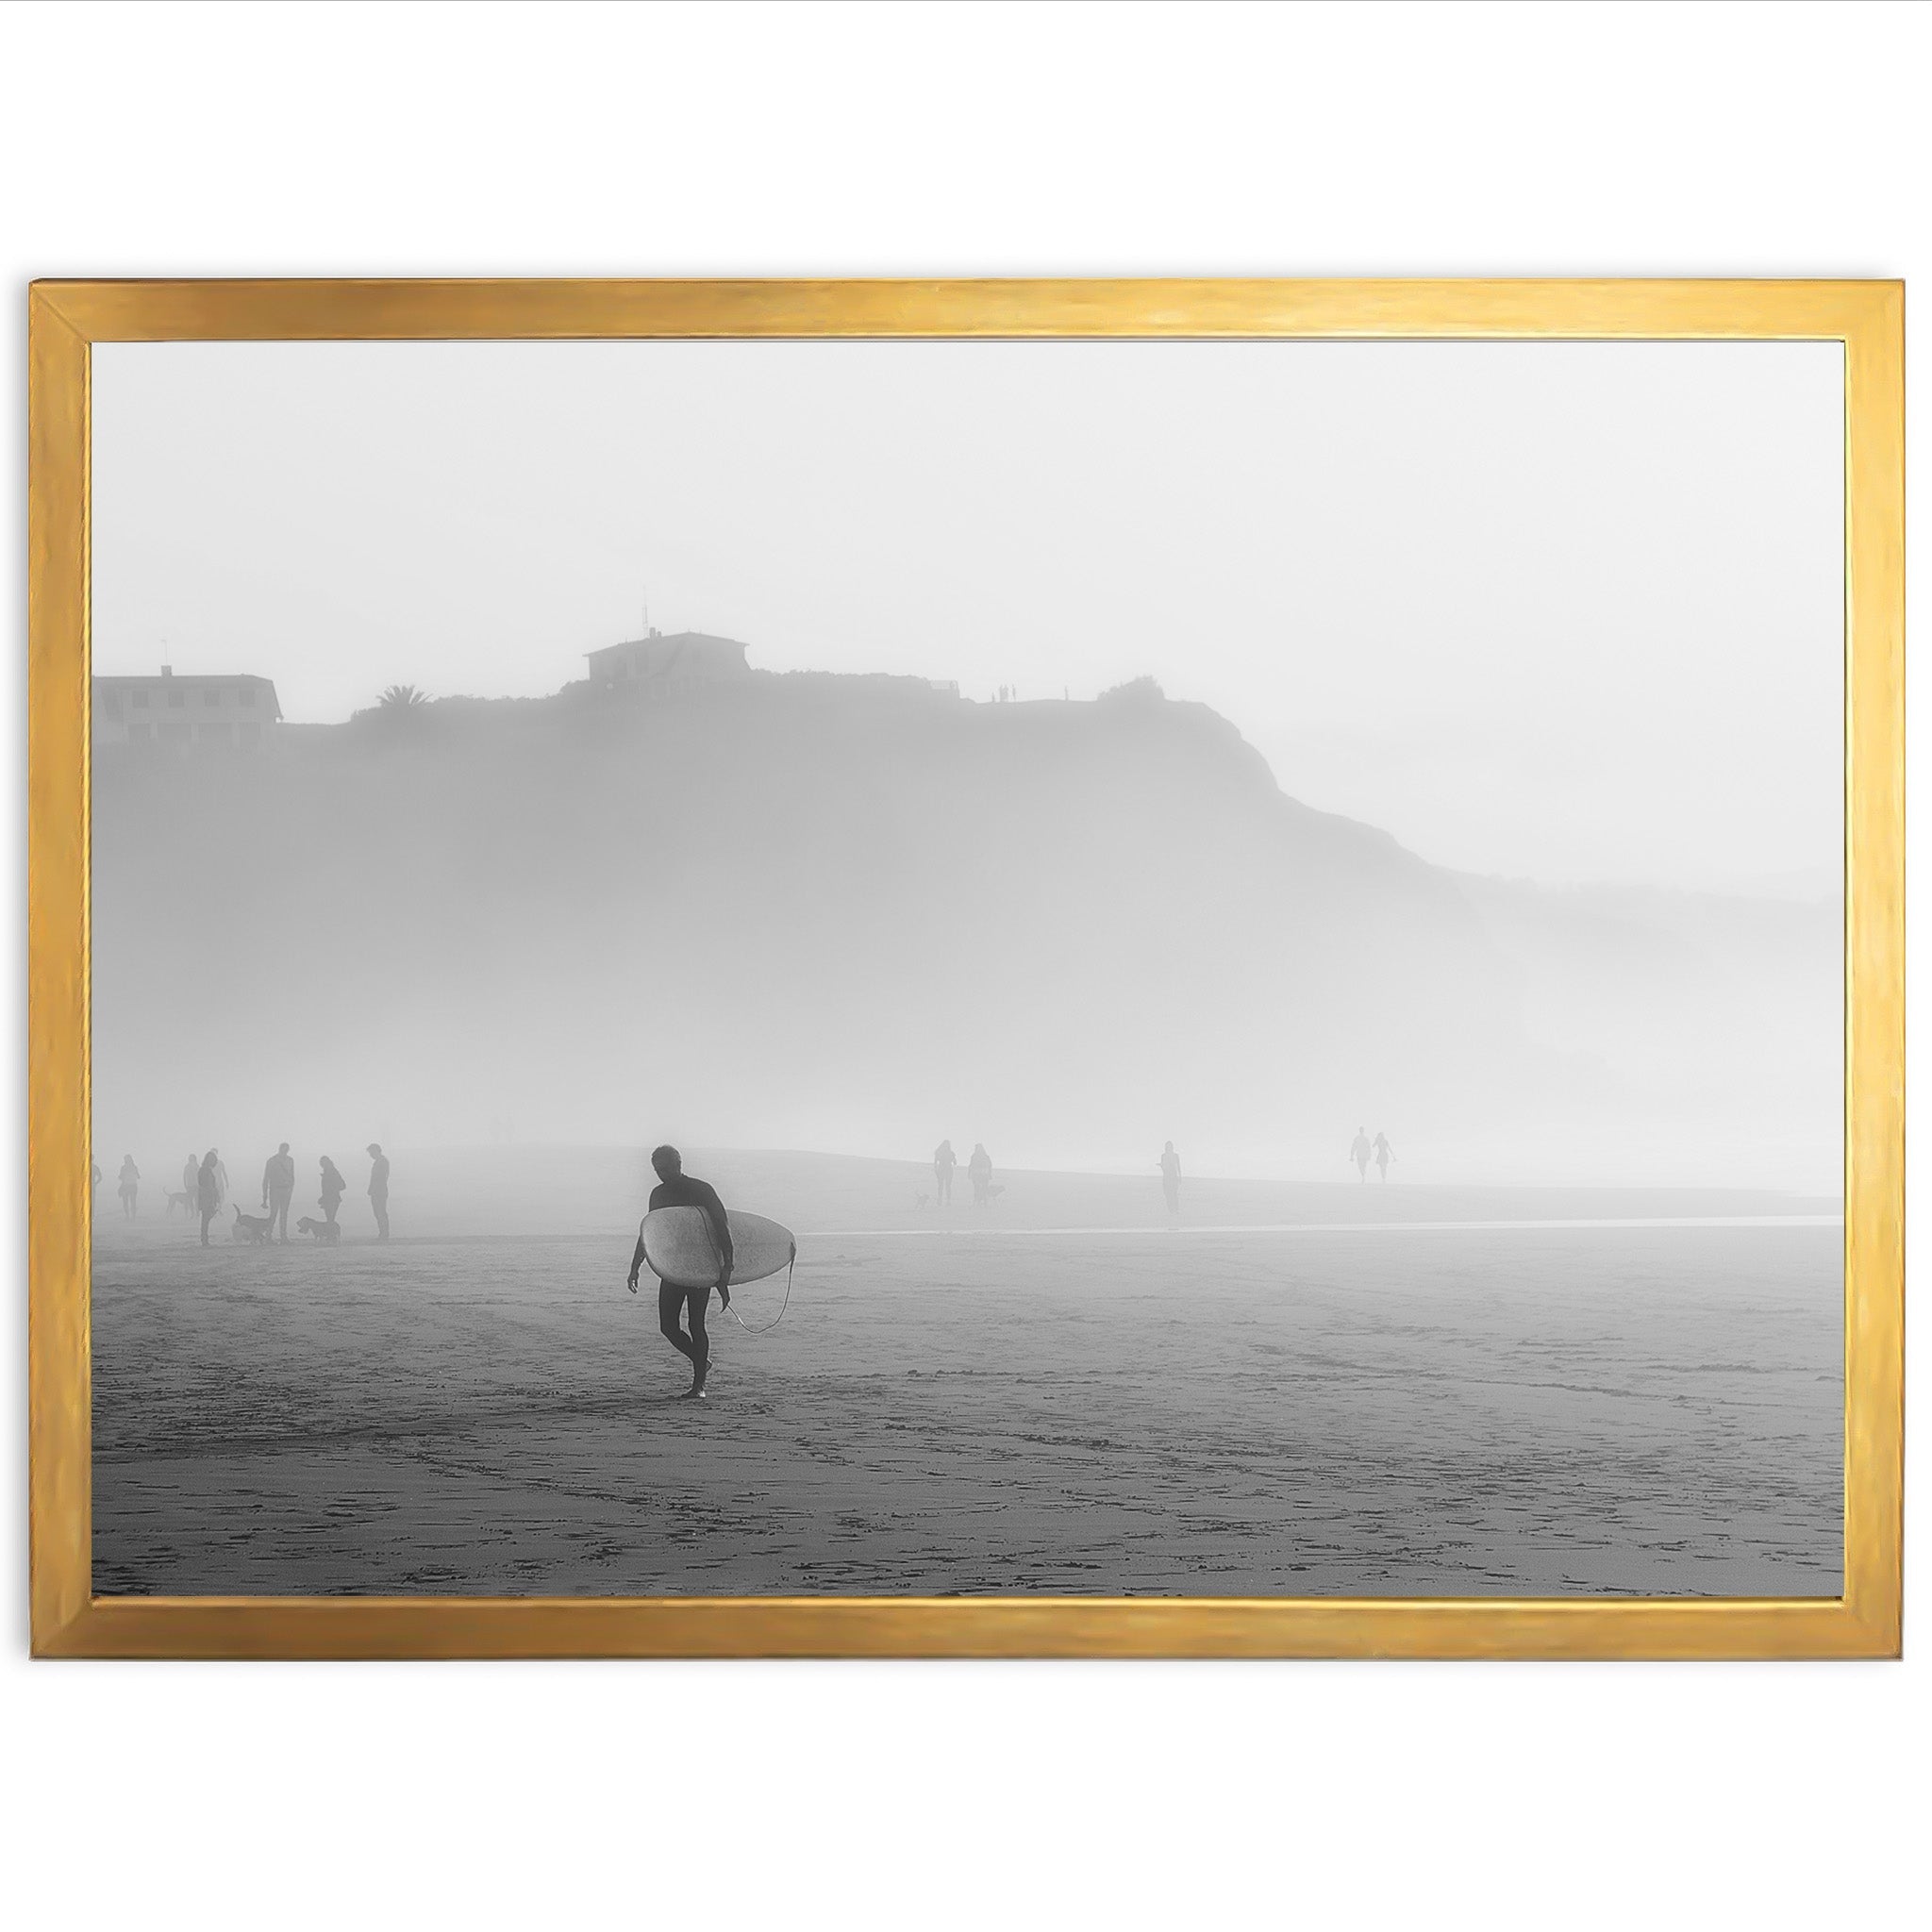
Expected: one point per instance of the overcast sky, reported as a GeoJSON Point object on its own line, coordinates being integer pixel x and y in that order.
{"type": "Point", "coordinates": [1568, 611]}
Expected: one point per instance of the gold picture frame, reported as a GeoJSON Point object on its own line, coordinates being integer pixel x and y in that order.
{"type": "Point", "coordinates": [66, 318]}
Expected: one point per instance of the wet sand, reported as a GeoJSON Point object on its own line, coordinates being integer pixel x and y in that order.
{"type": "Point", "coordinates": [1395, 1411]}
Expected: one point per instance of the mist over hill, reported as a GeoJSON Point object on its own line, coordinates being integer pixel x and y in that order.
{"type": "Point", "coordinates": [859, 914]}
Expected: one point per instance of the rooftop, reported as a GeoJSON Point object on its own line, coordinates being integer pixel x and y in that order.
{"type": "Point", "coordinates": [675, 640]}
{"type": "Point", "coordinates": [167, 671]}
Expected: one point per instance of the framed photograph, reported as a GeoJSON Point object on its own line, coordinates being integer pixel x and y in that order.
{"type": "Point", "coordinates": [982, 968]}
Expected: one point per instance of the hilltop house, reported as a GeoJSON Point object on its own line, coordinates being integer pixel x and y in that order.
{"type": "Point", "coordinates": [237, 709]}
{"type": "Point", "coordinates": [656, 663]}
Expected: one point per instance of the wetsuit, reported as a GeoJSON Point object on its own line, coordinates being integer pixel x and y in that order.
{"type": "Point", "coordinates": [681, 1190]}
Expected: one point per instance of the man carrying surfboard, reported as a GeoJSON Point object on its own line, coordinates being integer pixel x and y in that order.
{"type": "Point", "coordinates": [676, 1189]}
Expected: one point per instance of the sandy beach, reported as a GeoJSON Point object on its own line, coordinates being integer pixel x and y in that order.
{"type": "Point", "coordinates": [1413, 1408]}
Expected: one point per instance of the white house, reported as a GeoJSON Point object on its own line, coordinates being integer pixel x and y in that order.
{"type": "Point", "coordinates": [658, 664]}
{"type": "Point", "coordinates": [181, 711]}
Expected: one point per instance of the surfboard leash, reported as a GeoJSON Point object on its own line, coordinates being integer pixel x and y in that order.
{"type": "Point", "coordinates": [766, 1327]}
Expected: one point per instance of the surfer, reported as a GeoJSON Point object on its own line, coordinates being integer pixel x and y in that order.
{"type": "Point", "coordinates": [1384, 1154]}
{"type": "Point", "coordinates": [1359, 1153]}
{"type": "Point", "coordinates": [676, 1189]}
{"type": "Point", "coordinates": [1171, 1178]}
{"type": "Point", "coordinates": [943, 1161]}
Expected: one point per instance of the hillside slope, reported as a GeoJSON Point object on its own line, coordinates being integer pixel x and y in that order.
{"type": "Point", "coordinates": [852, 913]}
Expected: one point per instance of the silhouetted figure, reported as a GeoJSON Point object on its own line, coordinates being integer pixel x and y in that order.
{"type": "Point", "coordinates": [221, 1182]}
{"type": "Point", "coordinates": [129, 1185]}
{"type": "Point", "coordinates": [190, 1176]}
{"type": "Point", "coordinates": [1384, 1154]}
{"type": "Point", "coordinates": [676, 1189]}
{"type": "Point", "coordinates": [208, 1192]}
{"type": "Point", "coordinates": [943, 1161]}
{"type": "Point", "coordinates": [1359, 1153]}
{"type": "Point", "coordinates": [277, 1190]}
{"type": "Point", "coordinates": [378, 1189]}
{"type": "Point", "coordinates": [1171, 1178]}
{"type": "Point", "coordinates": [93, 1188]}
{"type": "Point", "coordinates": [333, 1188]}
{"type": "Point", "coordinates": [980, 1171]}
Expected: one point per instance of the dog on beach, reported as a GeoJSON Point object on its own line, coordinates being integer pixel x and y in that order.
{"type": "Point", "coordinates": [252, 1228]}
{"type": "Point", "coordinates": [922, 1200]}
{"type": "Point", "coordinates": [325, 1231]}
{"type": "Point", "coordinates": [184, 1201]}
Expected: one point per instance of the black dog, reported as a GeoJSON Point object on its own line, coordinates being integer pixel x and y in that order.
{"type": "Point", "coordinates": [252, 1228]}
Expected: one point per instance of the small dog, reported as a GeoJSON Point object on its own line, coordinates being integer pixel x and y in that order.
{"type": "Point", "coordinates": [252, 1228]}
{"type": "Point", "coordinates": [922, 1200]}
{"type": "Point", "coordinates": [323, 1231]}
{"type": "Point", "coordinates": [184, 1201]}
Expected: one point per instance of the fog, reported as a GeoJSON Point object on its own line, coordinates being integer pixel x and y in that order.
{"type": "Point", "coordinates": [860, 916]}
{"type": "Point", "coordinates": [1561, 633]}
{"type": "Point", "coordinates": [1568, 611]}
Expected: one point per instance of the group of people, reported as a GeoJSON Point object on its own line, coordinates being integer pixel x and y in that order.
{"type": "Point", "coordinates": [205, 1189]}
{"type": "Point", "coordinates": [978, 1170]}
{"type": "Point", "coordinates": [1364, 1150]}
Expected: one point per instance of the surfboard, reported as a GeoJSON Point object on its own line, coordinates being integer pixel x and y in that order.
{"type": "Point", "coordinates": [682, 1250]}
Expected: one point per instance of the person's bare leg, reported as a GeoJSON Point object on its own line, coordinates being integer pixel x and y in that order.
{"type": "Point", "coordinates": [700, 1340]}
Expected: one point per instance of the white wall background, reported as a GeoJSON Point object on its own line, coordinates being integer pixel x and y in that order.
{"type": "Point", "coordinates": [456, 139]}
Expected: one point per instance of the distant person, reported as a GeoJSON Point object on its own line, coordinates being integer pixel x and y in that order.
{"type": "Point", "coordinates": [1171, 1178]}
{"type": "Point", "coordinates": [221, 1183]}
{"type": "Point", "coordinates": [943, 1161]}
{"type": "Point", "coordinates": [277, 1190]}
{"type": "Point", "coordinates": [676, 1189]}
{"type": "Point", "coordinates": [333, 1188]}
{"type": "Point", "coordinates": [980, 1171]}
{"type": "Point", "coordinates": [1384, 1154]}
{"type": "Point", "coordinates": [93, 1188]}
{"type": "Point", "coordinates": [1359, 1153]}
{"type": "Point", "coordinates": [129, 1185]}
{"type": "Point", "coordinates": [207, 1197]}
{"type": "Point", "coordinates": [191, 1175]}
{"type": "Point", "coordinates": [378, 1189]}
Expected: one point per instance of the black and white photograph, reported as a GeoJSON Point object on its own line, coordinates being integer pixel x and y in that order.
{"type": "Point", "coordinates": [1110, 968]}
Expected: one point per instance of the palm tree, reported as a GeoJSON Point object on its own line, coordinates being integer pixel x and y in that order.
{"type": "Point", "coordinates": [402, 697]}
